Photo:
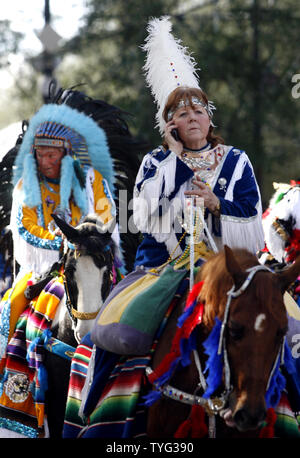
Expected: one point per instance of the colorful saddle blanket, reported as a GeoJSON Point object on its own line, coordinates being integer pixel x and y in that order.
{"type": "Point", "coordinates": [112, 407]}
{"type": "Point", "coordinates": [23, 377]}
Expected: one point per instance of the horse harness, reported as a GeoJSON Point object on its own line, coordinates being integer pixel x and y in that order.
{"type": "Point", "coordinates": [56, 346]}
{"type": "Point", "coordinates": [73, 312]}
{"type": "Point", "coordinates": [214, 405]}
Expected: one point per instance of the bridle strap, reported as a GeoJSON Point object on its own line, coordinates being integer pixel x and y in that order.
{"type": "Point", "coordinates": [84, 315]}
{"type": "Point", "coordinates": [74, 313]}
{"type": "Point", "coordinates": [233, 294]}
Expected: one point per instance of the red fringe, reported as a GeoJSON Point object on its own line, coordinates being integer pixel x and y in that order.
{"type": "Point", "coordinates": [268, 430]}
{"type": "Point", "coordinates": [294, 246]}
{"type": "Point", "coordinates": [193, 294]}
{"type": "Point", "coordinates": [182, 333]}
{"type": "Point", "coordinates": [195, 426]}
{"type": "Point", "coordinates": [294, 183]}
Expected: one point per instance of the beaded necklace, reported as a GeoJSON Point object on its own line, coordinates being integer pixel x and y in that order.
{"type": "Point", "coordinates": [204, 163]}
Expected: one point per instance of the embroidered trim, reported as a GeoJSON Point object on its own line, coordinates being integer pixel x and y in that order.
{"type": "Point", "coordinates": [237, 219]}
{"type": "Point", "coordinates": [32, 239]}
{"type": "Point", "coordinates": [18, 428]}
{"type": "Point", "coordinates": [4, 326]}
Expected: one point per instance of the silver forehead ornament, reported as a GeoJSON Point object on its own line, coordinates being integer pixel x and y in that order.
{"type": "Point", "coordinates": [195, 101]}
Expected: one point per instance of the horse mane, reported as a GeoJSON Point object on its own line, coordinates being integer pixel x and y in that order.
{"type": "Point", "coordinates": [218, 281]}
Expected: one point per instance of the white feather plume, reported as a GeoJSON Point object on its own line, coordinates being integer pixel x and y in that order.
{"type": "Point", "coordinates": [168, 64]}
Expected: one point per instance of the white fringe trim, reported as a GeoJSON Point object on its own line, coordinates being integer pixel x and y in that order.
{"type": "Point", "coordinates": [146, 201]}
{"type": "Point", "coordinates": [242, 234]}
{"type": "Point", "coordinates": [31, 258]}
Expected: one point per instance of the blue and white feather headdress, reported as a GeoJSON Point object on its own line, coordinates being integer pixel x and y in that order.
{"type": "Point", "coordinates": [85, 143]}
{"type": "Point", "coordinates": [168, 65]}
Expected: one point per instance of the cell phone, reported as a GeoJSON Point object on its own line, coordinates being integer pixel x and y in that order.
{"type": "Point", "coordinates": [174, 133]}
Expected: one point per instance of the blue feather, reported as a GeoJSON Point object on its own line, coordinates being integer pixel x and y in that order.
{"type": "Point", "coordinates": [168, 374]}
{"type": "Point", "coordinates": [289, 362]}
{"type": "Point", "coordinates": [214, 364]}
{"type": "Point", "coordinates": [277, 384]}
{"type": "Point", "coordinates": [278, 381]}
{"type": "Point", "coordinates": [31, 187]}
{"type": "Point", "coordinates": [151, 398]}
{"type": "Point", "coordinates": [79, 195]}
{"type": "Point", "coordinates": [186, 314]}
{"type": "Point", "coordinates": [66, 180]}
{"type": "Point", "coordinates": [186, 348]}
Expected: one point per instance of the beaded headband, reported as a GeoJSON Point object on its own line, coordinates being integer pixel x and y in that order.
{"type": "Point", "coordinates": [50, 142]}
{"type": "Point", "coordinates": [55, 134]}
{"type": "Point", "coordinates": [195, 101]}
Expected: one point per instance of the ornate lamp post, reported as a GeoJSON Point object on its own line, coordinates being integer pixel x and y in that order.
{"type": "Point", "coordinates": [47, 60]}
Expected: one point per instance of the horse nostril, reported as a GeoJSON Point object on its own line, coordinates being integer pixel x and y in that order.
{"type": "Point", "coordinates": [241, 418]}
{"type": "Point", "coordinates": [245, 420]}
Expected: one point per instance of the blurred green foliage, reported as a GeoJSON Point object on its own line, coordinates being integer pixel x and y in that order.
{"type": "Point", "coordinates": [247, 50]}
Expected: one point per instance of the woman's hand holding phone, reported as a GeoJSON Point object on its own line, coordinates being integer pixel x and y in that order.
{"type": "Point", "coordinates": [172, 138]}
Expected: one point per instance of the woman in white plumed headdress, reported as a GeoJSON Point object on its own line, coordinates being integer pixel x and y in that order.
{"type": "Point", "coordinates": [192, 161]}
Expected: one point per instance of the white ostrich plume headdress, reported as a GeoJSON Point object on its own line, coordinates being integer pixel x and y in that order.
{"type": "Point", "coordinates": [168, 65]}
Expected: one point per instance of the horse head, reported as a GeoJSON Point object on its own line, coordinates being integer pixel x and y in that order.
{"type": "Point", "coordinates": [88, 265]}
{"type": "Point", "coordinates": [254, 325]}
{"type": "Point", "coordinates": [281, 222]}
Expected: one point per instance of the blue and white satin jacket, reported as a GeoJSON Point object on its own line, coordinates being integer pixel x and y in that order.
{"type": "Point", "coordinates": [159, 201]}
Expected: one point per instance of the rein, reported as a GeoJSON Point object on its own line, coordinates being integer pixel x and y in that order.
{"type": "Point", "coordinates": [214, 405]}
{"type": "Point", "coordinates": [222, 341]}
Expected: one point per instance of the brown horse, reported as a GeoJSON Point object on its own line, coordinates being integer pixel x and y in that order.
{"type": "Point", "coordinates": [251, 338]}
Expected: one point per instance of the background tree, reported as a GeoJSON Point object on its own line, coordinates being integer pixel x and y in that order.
{"type": "Point", "coordinates": [9, 44]}
{"type": "Point", "coordinates": [248, 52]}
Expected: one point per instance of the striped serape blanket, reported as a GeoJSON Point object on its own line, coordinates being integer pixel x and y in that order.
{"type": "Point", "coordinates": [287, 422]}
{"type": "Point", "coordinates": [23, 377]}
{"type": "Point", "coordinates": [114, 405]}
{"type": "Point", "coordinates": [115, 414]}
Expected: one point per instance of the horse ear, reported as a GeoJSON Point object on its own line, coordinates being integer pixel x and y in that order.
{"type": "Point", "coordinates": [233, 267]}
{"type": "Point", "coordinates": [289, 275]}
{"type": "Point", "coordinates": [69, 231]}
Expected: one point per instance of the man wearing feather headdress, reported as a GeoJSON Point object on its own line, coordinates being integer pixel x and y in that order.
{"type": "Point", "coordinates": [63, 167]}
{"type": "Point", "coordinates": [58, 170]}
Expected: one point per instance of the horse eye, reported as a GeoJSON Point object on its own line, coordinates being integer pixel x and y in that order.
{"type": "Point", "coordinates": [236, 332]}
